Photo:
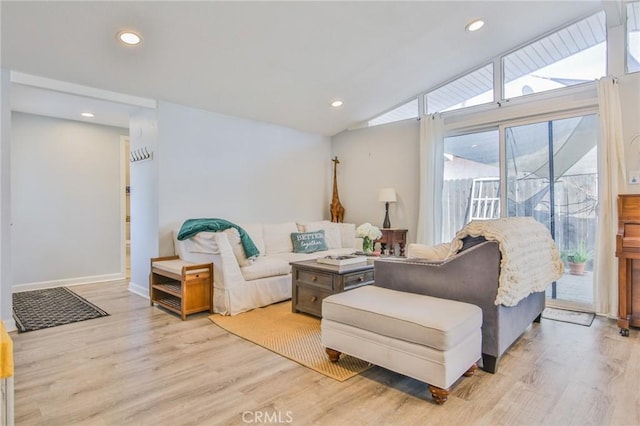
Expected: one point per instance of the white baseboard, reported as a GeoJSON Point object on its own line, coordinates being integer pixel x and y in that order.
{"type": "Point", "coordinates": [138, 289]}
{"type": "Point", "coordinates": [68, 282]}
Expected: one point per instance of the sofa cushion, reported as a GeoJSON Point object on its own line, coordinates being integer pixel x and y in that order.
{"type": "Point", "coordinates": [299, 257]}
{"type": "Point", "coordinates": [347, 235]}
{"type": "Point", "coordinates": [236, 245]}
{"type": "Point", "coordinates": [264, 267]}
{"type": "Point", "coordinates": [255, 232]}
{"type": "Point", "coordinates": [437, 323]}
{"type": "Point", "coordinates": [331, 232]}
{"type": "Point", "coordinates": [302, 226]}
{"type": "Point", "coordinates": [308, 242]}
{"type": "Point", "coordinates": [277, 237]}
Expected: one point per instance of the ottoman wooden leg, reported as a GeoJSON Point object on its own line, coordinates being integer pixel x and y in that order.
{"type": "Point", "coordinates": [334, 355]}
{"type": "Point", "coordinates": [471, 370]}
{"type": "Point", "coordinates": [439, 395]}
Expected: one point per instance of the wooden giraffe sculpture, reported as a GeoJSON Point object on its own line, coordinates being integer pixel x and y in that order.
{"type": "Point", "coordinates": [337, 211]}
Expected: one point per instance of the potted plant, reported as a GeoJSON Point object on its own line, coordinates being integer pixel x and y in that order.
{"type": "Point", "coordinates": [577, 259]}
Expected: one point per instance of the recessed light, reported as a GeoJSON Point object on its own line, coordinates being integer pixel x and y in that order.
{"type": "Point", "coordinates": [474, 25]}
{"type": "Point", "coordinates": [87, 114]}
{"type": "Point", "coordinates": [336, 104]}
{"type": "Point", "coordinates": [129, 37]}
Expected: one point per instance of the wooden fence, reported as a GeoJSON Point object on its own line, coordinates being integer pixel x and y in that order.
{"type": "Point", "coordinates": [576, 200]}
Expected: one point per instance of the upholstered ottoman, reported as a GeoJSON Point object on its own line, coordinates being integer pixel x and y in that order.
{"type": "Point", "coordinates": [432, 340]}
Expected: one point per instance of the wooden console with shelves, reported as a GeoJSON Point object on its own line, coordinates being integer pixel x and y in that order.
{"type": "Point", "coordinates": [181, 287]}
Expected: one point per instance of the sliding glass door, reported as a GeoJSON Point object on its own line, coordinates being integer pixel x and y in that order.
{"type": "Point", "coordinates": [544, 169]}
{"type": "Point", "coordinates": [471, 181]}
{"type": "Point", "coordinates": [551, 175]}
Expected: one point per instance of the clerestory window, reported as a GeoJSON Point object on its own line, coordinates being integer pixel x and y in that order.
{"type": "Point", "coordinates": [474, 88]}
{"type": "Point", "coordinates": [403, 112]}
{"type": "Point", "coordinates": [576, 54]}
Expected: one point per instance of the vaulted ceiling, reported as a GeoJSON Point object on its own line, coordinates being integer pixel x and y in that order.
{"type": "Point", "coordinates": [277, 62]}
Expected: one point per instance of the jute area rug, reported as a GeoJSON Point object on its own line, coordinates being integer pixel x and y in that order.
{"type": "Point", "coordinates": [50, 307]}
{"type": "Point", "coordinates": [291, 335]}
{"type": "Point", "coordinates": [580, 318]}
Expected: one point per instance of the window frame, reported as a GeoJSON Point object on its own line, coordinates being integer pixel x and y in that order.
{"type": "Point", "coordinates": [579, 91]}
{"type": "Point", "coordinates": [627, 51]}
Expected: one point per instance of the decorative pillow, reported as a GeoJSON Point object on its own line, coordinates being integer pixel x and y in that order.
{"type": "Point", "coordinates": [308, 242]}
{"type": "Point", "coordinates": [331, 232]}
{"type": "Point", "coordinates": [236, 245]}
{"type": "Point", "coordinates": [422, 251]}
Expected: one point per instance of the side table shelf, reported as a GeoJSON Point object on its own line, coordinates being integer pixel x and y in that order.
{"type": "Point", "coordinates": [181, 287]}
{"type": "Point", "coordinates": [391, 237]}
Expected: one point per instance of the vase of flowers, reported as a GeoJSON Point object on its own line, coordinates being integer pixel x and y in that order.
{"type": "Point", "coordinates": [369, 235]}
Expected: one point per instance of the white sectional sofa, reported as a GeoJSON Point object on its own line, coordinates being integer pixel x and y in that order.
{"type": "Point", "coordinates": [241, 284]}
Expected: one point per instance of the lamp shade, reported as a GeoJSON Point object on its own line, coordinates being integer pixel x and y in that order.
{"type": "Point", "coordinates": [387, 195]}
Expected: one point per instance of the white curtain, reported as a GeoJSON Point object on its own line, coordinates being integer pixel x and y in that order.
{"type": "Point", "coordinates": [431, 173]}
{"type": "Point", "coordinates": [611, 173]}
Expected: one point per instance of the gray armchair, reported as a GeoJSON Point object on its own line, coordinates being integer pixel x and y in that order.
{"type": "Point", "coordinates": [470, 276]}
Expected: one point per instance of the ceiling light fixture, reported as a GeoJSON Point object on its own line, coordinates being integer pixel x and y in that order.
{"type": "Point", "coordinates": [336, 104]}
{"type": "Point", "coordinates": [129, 37]}
{"type": "Point", "coordinates": [474, 25]}
{"type": "Point", "coordinates": [87, 114]}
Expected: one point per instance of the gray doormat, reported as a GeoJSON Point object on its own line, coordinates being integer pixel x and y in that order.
{"type": "Point", "coordinates": [50, 307]}
{"type": "Point", "coordinates": [580, 318]}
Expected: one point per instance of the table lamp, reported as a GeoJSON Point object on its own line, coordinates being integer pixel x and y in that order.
{"type": "Point", "coordinates": [387, 195]}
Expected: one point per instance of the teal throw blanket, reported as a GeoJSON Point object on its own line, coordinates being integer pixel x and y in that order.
{"type": "Point", "coordinates": [192, 226]}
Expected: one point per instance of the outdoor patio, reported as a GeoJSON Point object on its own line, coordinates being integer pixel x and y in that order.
{"type": "Point", "coordinates": [574, 288]}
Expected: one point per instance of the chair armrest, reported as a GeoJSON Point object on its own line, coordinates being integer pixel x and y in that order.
{"type": "Point", "coordinates": [470, 276]}
{"type": "Point", "coordinates": [226, 271]}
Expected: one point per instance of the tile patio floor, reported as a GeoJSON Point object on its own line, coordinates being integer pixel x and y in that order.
{"type": "Point", "coordinates": [574, 288]}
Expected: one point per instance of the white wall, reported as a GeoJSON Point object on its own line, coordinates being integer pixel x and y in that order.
{"type": "Point", "coordinates": [630, 102]}
{"type": "Point", "coordinates": [212, 165]}
{"type": "Point", "coordinates": [5, 201]}
{"type": "Point", "coordinates": [65, 202]}
{"type": "Point", "coordinates": [379, 157]}
{"type": "Point", "coordinates": [143, 127]}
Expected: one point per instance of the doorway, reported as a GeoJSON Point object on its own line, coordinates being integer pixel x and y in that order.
{"type": "Point", "coordinates": [126, 151]}
{"type": "Point", "coordinates": [552, 175]}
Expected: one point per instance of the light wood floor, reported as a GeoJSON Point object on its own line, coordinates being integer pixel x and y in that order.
{"type": "Point", "coordinates": [143, 366]}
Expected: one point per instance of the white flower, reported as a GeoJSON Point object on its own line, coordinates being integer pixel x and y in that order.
{"type": "Point", "coordinates": [369, 231]}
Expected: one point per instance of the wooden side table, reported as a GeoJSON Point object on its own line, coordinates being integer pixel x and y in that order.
{"type": "Point", "coordinates": [181, 287]}
{"type": "Point", "coordinates": [391, 237]}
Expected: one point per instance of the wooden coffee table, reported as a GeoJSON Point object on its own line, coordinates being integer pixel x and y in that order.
{"type": "Point", "coordinates": [312, 281]}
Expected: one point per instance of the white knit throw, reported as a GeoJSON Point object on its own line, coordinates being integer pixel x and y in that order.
{"type": "Point", "coordinates": [530, 259]}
